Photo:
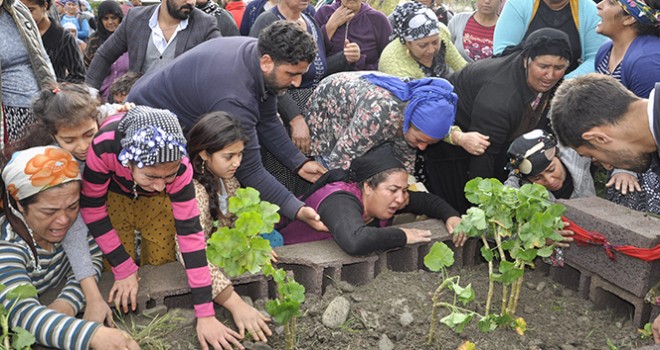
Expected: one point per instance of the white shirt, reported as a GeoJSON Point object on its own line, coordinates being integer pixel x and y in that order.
{"type": "Point", "coordinates": [157, 34]}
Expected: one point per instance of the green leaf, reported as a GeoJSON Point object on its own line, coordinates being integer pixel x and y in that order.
{"type": "Point", "coordinates": [511, 276]}
{"type": "Point", "coordinates": [22, 339]}
{"type": "Point", "coordinates": [465, 295]}
{"type": "Point", "coordinates": [508, 244]}
{"type": "Point", "coordinates": [22, 291]}
{"type": "Point", "coordinates": [610, 345]}
{"type": "Point", "coordinates": [457, 320]}
{"type": "Point", "coordinates": [249, 224]}
{"type": "Point", "coordinates": [546, 251]}
{"type": "Point", "coordinates": [487, 324]}
{"type": "Point", "coordinates": [506, 266]}
{"type": "Point", "coordinates": [440, 256]}
{"type": "Point", "coordinates": [282, 311]}
{"type": "Point", "coordinates": [292, 290]}
{"type": "Point", "coordinates": [527, 255]}
{"type": "Point", "coordinates": [487, 254]}
{"type": "Point", "coordinates": [244, 198]}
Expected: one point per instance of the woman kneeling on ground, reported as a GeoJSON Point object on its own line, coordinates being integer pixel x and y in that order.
{"type": "Point", "coordinates": [41, 194]}
{"type": "Point", "coordinates": [357, 206]}
{"type": "Point", "coordinates": [138, 177]}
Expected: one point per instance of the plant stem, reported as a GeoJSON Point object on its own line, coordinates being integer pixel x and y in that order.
{"type": "Point", "coordinates": [288, 336]}
{"type": "Point", "coordinates": [458, 308]}
{"type": "Point", "coordinates": [489, 298]}
{"type": "Point", "coordinates": [434, 309]}
{"type": "Point", "coordinates": [505, 289]}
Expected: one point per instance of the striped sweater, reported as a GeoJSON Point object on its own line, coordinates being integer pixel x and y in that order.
{"type": "Point", "coordinates": [105, 173]}
{"type": "Point", "coordinates": [50, 328]}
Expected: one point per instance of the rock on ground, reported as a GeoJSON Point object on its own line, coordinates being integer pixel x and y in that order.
{"type": "Point", "coordinates": [336, 313]}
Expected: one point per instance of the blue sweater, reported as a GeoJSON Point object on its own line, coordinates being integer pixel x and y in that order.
{"type": "Point", "coordinates": [224, 74]}
{"type": "Point", "coordinates": [518, 14]}
{"type": "Point", "coordinates": [640, 67]}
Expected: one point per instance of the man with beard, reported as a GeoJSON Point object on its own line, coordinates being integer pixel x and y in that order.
{"type": "Point", "coordinates": [598, 117]}
{"type": "Point", "coordinates": [243, 76]}
{"type": "Point", "coordinates": [153, 36]}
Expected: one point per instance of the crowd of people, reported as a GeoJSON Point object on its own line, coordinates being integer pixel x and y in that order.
{"type": "Point", "coordinates": [148, 118]}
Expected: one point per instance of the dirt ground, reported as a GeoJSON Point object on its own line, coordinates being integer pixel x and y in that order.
{"type": "Point", "coordinates": [556, 317]}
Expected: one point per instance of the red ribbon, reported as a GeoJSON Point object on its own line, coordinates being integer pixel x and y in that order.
{"type": "Point", "coordinates": [583, 237]}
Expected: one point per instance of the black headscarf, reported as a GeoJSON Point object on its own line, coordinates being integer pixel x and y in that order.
{"type": "Point", "coordinates": [544, 41]}
{"type": "Point", "coordinates": [375, 161]}
{"type": "Point", "coordinates": [106, 7]}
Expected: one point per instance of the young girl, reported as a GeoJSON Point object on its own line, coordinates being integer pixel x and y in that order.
{"type": "Point", "coordinates": [216, 150]}
{"type": "Point", "coordinates": [66, 116]}
{"type": "Point", "coordinates": [138, 177]}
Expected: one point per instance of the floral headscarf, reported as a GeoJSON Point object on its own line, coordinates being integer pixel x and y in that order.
{"type": "Point", "coordinates": [644, 13]}
{"type": "Point", "coordinates": [413, 21]}
{"type": "Point", "coordinates": [37, 169]}
{"type": "Point", "coordinates": [30, 172]}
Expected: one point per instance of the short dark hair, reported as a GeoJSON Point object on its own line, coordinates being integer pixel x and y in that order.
{"type": "Point", "coordinates": [585, 102]}
{"type": "Point", "coordinates": [124, 83]}
{"type": "Point", "coordinates": [286, 42]}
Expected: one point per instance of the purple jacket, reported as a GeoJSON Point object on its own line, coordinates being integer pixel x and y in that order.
{"type": "Point", "coordinates": [299, 232]}
{"type": "Point", "coordinates": [369, 28]}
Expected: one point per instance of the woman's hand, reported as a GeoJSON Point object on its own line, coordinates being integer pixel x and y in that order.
{"type": "Point", "coordinates": [473, 142]}
{"type": "Point", "coordinates": [624, 183]}
{"type": "Point", "coordinates": [247, 317]}
{"type": "Point", "coordinates": [300, 134]}
{"type": "Point", "coordinates": [312, 171]}
{"type": "Point", "coordinates": [567, 238]}
{"type": "Point", "coordinates": [311, 218]}
{"type": "Point", "coordinates": [656, 330]}
{"type": "Point", "coordinates": [415, 235]}
{"type": "Point", "coordinates": [123, 290]}
{"type": "Point", "coordinates": [351, 52]}
{"type": "Point", "coordinates": [97, 310]}
{"type": "Point", "coordinates": [107, 338]}
{"type": "Point", "coordinates": [213, 332]}
{"type": "Point", "coordinates": [337, 19]}
{"type": "Point", "coordinates": [459, 238]}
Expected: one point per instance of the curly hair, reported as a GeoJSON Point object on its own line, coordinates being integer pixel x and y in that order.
{"type": "Point", "coordinates": [212, 133]}
{"type": "Point", "coordinates": [286, 42]}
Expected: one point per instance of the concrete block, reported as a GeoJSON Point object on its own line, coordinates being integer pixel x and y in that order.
{"type": "Point", "coordinates": [404, 259]}
{"type": "Point", "coordinates": [571, 277]}
{"type": "Point", "coordinates": [621, 226]}
{"type": "Point", "coordinates": [608, 295]}
{"type": "Point", "coordinates": [312, 262]}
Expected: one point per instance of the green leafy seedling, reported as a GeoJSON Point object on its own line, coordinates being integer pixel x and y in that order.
{"type": "Point", "coordinates": [240, 249]}
{"type": "Point", "coordinates": [17, 337]}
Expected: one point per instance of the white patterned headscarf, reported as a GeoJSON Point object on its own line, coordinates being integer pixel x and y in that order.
{"type": "Point", "coordinates": [413, 21]}
{"type": "Point", "coordinates": [151, 136]}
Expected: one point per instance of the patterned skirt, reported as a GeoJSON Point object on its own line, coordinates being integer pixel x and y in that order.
{"type": "Point", "coordinates": [16, 121]}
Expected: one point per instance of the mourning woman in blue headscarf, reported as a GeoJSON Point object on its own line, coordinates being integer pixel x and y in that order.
{"type": "Point", "coordinates": [349, 113]}
{"type": "Point", "coordinates": [357, 206]}
{"type": "Point", "coordinates": [500, 97]}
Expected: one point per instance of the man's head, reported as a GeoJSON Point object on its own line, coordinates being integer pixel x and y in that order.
{"type": "Point", "coordinates": [180, 9]}
{"type": "Point", "coordinates": [286, 51]}
{"type": "Point", "coordinates": [593, 114]}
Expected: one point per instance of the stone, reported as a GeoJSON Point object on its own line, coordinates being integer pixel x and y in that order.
{"type": "Point", "coordinates": [261, 346]}
{"type": "Point", "coordinates": [279, 330]}
{"type": "Point", "coordinates": [346, 287]}
{"type": "Point", "coordinates": [385, 343]}
{"type": "Point", "coordinates": [567, 293]}
{"type": "Point", "coordinates": [568, 347]}
{"type": "Point", "coordinates": [540, 287]}
{"type": "Point", "coordinates": [336, 313]}
{"type": "Point", "coordinates": [357, 298]}
{"type": "Point", "coordinates": [154, 312]}
{"type": "Point", "coordinates": [370, 319]}
{"type": "Point", "coordinates": [406, 319]}
{"type": "Point", "coordinates": [583, 320]}
{"type": "Point", "coordinates": [187, 316]}
{"type": "Point", "coordinates": [530, 285]}
{"type": "Point", "coordinates": [528, 310]}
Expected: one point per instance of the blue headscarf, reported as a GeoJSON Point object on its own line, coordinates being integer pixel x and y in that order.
{"type": "Point", "coordinates": [431, 102]}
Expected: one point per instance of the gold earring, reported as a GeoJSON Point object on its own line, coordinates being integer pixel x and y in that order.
{"type": "Point", "coordinates": [203, 166]}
